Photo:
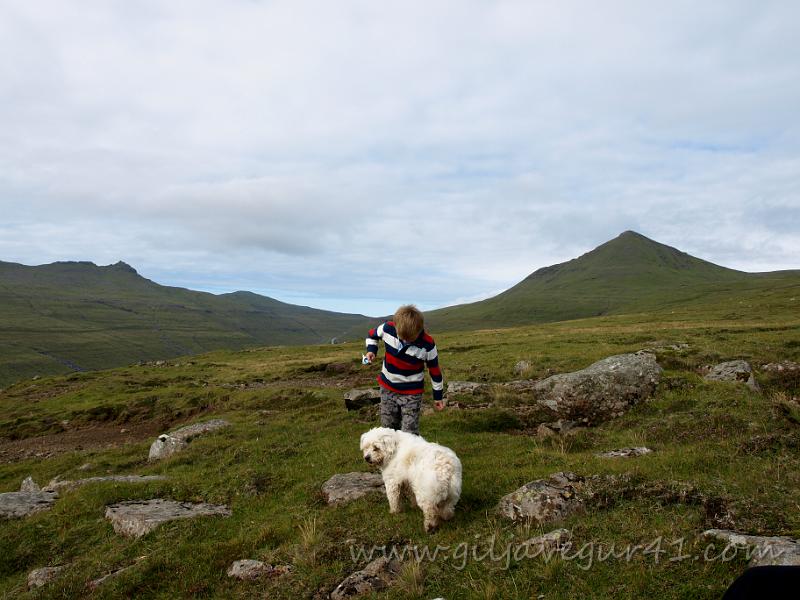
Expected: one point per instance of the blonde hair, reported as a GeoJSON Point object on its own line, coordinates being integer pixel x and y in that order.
{"type": "Point", "coordinates": [409, 322]}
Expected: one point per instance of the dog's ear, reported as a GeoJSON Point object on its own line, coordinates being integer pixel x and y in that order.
{"type": "Point", "coordinates": [388, 442]}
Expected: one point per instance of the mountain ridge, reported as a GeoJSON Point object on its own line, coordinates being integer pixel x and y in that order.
{"type": "Point", "coordinates": [73, 315]}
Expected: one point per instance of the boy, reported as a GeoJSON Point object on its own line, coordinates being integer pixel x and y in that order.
{"type": "Point", "coordinates": [408, 350]}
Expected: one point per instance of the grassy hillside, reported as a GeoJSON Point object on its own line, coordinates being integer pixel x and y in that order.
{"type": "Point", "coordinates": [290, 433]}
{"type": "Point", "coordinates": [630, 273]}
{"type": "Point", "coordinates": [78, 316]}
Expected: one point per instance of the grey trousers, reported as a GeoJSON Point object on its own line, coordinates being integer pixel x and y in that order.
{"type": "Point", "coordinates": [400, 411]}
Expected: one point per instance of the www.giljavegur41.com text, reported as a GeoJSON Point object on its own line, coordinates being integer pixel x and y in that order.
{"type": "Point", "coordinates": [584, 555]}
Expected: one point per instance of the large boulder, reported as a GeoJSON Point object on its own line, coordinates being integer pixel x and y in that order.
{"type": "Point", "coordinates": [734, 370]}
{"type": "Point", "coordinates": [762, 550]}
{"type": "Point", "coordinates": [139, 517]}
{"type": "Point", "coordinates": [375, 577]}
{"type": "Point", "coordinates": [601, 391]}
{"type": "Point", "coordinates": [359, 398]}
{"type": "Point", "coordinates": [168, 444]}
{"type": "Point", "coordinates": [544, 501]}
{"type": "Point", "coordinates": [346, 487]}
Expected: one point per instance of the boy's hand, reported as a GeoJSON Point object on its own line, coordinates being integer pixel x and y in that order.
{"type": "Point", "coordinates": [438, 404]}
{"type": "Point", "coordinates": [370, 356]}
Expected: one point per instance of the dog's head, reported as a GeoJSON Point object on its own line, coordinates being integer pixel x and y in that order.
{"type": "Point", "coordinates": [378, 445]}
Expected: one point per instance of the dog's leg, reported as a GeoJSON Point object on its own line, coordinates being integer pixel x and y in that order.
{"type": "Point", "coordinates": [394, 494]}
{"type": "Point", "coordinates": [447, 509]}
{"type": "Point", "coordinates": [431, 515]}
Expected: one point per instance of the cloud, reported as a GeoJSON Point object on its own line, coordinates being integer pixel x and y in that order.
{"type": "Point", "coordinates": [359, 152]}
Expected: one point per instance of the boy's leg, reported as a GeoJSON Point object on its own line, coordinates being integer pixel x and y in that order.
{"type": "Point", "coordinates": [390, 410]}
{"type": "Point", "coordinates": [410, 407]}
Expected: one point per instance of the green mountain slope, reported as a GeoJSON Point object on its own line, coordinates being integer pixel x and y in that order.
{"type": "Point", "coordinates": [628, 274]}
{"type": "Point", "coordinates": [76, 315]}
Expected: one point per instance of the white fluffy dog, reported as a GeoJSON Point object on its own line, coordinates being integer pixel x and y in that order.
{"type": "Point", "coordinates": [430, 472]}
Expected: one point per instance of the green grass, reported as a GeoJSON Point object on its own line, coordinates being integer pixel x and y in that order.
{"type": "Point", "coordinates": [290, 433]}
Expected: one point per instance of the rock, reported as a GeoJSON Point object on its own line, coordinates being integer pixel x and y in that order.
{"type": "Point", "coordinates": [29, 485]}
{"type": "Point", "coordinates": [138, 517]}
{"type": "Point", "coordinates": [763, 550]}
{"type": "Point", "coordinates": [66, 484]}
{"type": "Point", "coordinates": [85, 467]}
{"type": "Point", "coordinates": [560, 427]}
{"type": "Point", "coordinates": [521, 367]}
{"type": "Point", "coordinates": [375, 577]}
{"type": "Point", "coordinates": [346, 487]}
{"type": "Point", "coordinates": [253, 569]}
{"type": "Point", "coordinates": [625, 452]}
{"type": "Point", "coordinates": [168, 444]}
{"type": "Point", "coordinates": [41, 577]}
{"type": "Point", "coordinates": [164, 446]}
{"type": "Point", "coordinates": [359, 398]}
{"type": "Point", "coordinates": [545, 431]}
{"type": "Point", "coordinates": [15, 505]}
{"type": "Point", "coordinates": [248, 569]}
{"type": "Point", "coordinates": [466, 387]}
{"type": "Point", "coordinates": [548, 542]}
{"type": "Point", "coordinates": [734, 370]}
{"type": "Point", "coordinates": [544, 501]}
{"type": "Point", "coordinates": [603, 390]}
{"type": "Point", "coordinates": [780, 367]}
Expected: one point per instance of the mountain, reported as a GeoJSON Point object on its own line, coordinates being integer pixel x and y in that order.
{"type": "Point", "coordinates": [79, 316]}
{"type": "Point", "coordinates": [630, 273]}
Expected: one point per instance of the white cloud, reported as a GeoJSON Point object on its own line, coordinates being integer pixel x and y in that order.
{"type": "Point", "coordinates": [368, 152]}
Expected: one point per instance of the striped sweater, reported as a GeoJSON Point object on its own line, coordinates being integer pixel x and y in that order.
{"type": "Point", "coordinates": [404, 363]}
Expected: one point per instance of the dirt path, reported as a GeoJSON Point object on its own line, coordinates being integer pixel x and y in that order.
{"type": "Point", "coordinates": [91, 438]}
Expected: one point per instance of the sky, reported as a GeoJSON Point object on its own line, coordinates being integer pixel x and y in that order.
{"type": "Point", "coordinates": [355, 155]}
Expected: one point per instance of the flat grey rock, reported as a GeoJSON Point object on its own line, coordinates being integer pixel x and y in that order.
{"type": "Point", "coordinates": [764, 550]}
{"type": "Point", "coordinates": [171, 443]}
{"type": "Point", "coordinates": [375, 577]}
{"type": "Point", "coordinates": [41, 577]}
{"type": "Point", "coordinates": [625, 452]}
{"type": "Point", "coordinates": [735, 371]}
{"type": "Point", "coordinates": [346, 487]}
{"type": "Point", "coordinates": [544, 501]}
{"type": "Point", "coordinates": [15, 505]}
{"type": "Point", "coordinates": [361, 397]}
{"type": "Point", "coordinates": [66, 484]}
{"type": "Point", "coordinates": [603, 390]}
{"type": "Point", "coordinates": [248, 569]}
{"type": "Point", "coordinates": [139, 517]}
{"type": "Point", "coordinates": [550, 541]}
{"type": "Point", "coordinates": [466, 387]}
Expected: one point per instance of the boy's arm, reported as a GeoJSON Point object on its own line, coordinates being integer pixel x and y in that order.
{"type": "Point", "coordinates": [437, 381]}
{"type": "Point", "coordinates": [373, 336]}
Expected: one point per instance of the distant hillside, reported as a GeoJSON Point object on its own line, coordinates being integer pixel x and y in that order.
{"type": "Point", "coordinates": [79, 316]}
{"type": "Point", "coordinates": [628, 274]}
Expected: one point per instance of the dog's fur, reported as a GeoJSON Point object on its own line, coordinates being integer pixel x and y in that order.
{"type": "Point", "coordinates": [430, 472]}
